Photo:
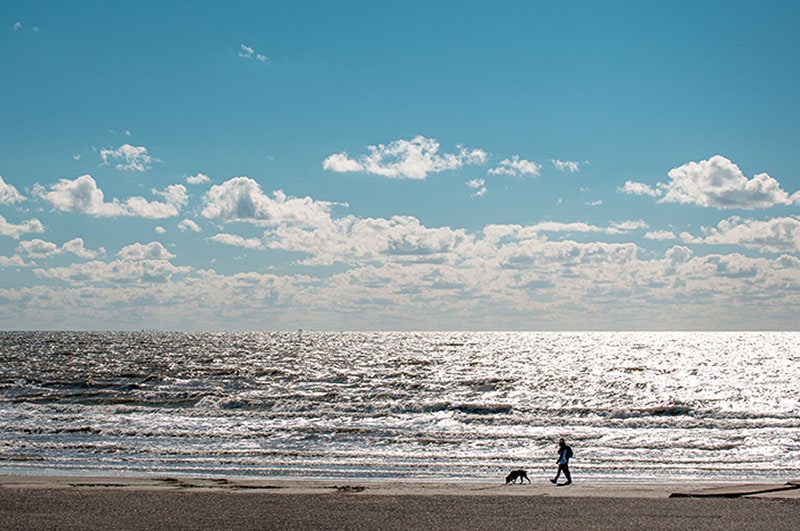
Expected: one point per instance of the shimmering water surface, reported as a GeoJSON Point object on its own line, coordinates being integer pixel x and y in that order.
{"type": "Point", "coordinates": [427, 406]}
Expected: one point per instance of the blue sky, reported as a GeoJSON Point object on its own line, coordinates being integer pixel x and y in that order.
{"type": "Point", "coordinates": [422, 165]}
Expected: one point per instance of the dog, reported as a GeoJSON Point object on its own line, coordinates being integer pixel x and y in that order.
{"type": "Point", "coordinates": [512, 476]}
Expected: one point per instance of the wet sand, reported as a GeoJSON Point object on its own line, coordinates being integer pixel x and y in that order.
{"type": "Point", "coordinates": [36, 502]}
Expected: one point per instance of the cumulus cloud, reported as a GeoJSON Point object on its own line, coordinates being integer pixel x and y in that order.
{"type": "Point", "coordinates": [247, 52]}
{"type": "Point", "coordinates": [142, 251]}
{"type": "Point", "coordinates": [715, 183]}
{"type": "Point", "coordinates": [516, 167]}
{"type": "Point", "coordinates": [237, 241]}
{"type": "Point", "coordinates": [242, 199]}
{"type": "Point", "coordinates": [635, 188]}
{"type": "Point", "coordinates": [405, 159]}
{"type": "Point", "coordinates": [533, 231]}
{"type": "Point", "coordinates": [187, 225]}
{"type": "Point", "coordinates": [342, 163]}
{"type": "Point", "coordinates": [660, 235]}
{"type": "Point", "coordinates": [16, 230]}
{"type": "Point", "coordinates": [8, 194]}
{"type": "Point", "coordinates": [479, 185]}
{"type": "Point", "coordinates": [174, 194]}
{"type": "Point", "coordinates": [84, 196]}
{"type": "Point", "coordinates": [116, 272]}
{"type": "Point", "coordinates": [77, 247]}
{"type": "Point", "coordinates": [566, 166]}
{"type": "Point", "coordinates": [141, 207]}
{"type": "Point", "coordinates": [353, 240]}
{"type": "Point", "coordinates": [513, 272]}
{"type": "Point", "coordinates": [37, 248]}
{"type": "Point", "coordinates": [137, 263]}
{"type": "Point", "coordinates": [620, 227]}
{"type": "Point", "coordinates": [12, 261]}
{"type": "Point", "coordinates": [128, 158]}
{"type": "Point", "coordinates": [81, 195]}
{"type": "Point", "coordinates": [357, 241]}
{"type": "Point", "coordinates": [773, 235]}
{"type": "Point", "coordinates": [308, 226]}
{"type": "Point", "coordinates": [199, 178]}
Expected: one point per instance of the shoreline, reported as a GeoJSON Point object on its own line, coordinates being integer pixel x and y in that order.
{"type": "Point", "coordinates": [541, 488]}
{"type": "Point", "coordinates": [92, 502]}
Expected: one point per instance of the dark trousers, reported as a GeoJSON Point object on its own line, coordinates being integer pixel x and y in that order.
{"type": "Point", "coordinates": [565, 469]}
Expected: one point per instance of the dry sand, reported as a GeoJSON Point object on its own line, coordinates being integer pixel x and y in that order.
{"type": "Point", "coordinates": [38, 502]}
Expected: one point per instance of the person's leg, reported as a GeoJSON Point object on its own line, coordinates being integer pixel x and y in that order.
{"type": "Point", "coordinates": [558, 473]}
{"type": "Point", "coordinates": [566, 473]}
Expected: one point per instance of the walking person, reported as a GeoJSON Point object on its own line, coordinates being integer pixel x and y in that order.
{"type": "Point", "coordinates": [564, 455]}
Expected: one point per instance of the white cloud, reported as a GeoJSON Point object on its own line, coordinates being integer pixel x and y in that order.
{"type": "Point", "coordinates": [660, 235]}
{"type": "Point", "coordinates": [76, 247]}
{"type": "Point", "coordinates": [237, 241]}
{"type": "Point", "coordinates": [716, 183]}
{"type": "Point", "coordinates": [241, 199]}
{"type": "Point", "coordinates": [128, 158]}
{"type": "Point", "coordinates": [773, 235]}
{"type": "Point", "coordinates": [248, 52]}
{"type": "Point", "coordinates": [175, 194]}
{"type": "Point", "coordinates": [555, 226]}
{"type": "Point", "coordinates": [8, 194]}
{"type": "Point", "coordinates": [342, 163]}
{"type": "Point", "coordinates": [141, 251]}
{"type": "Point", "coordinates": [719, 183]}
{"type": "Point", "coordinates": [160, 230]}
{"type": "Point", "coordinates": [16, 26]}
{"type": "Point", "coordinates": [188, 225]}
{"type": "Point", "coordinates": [353, 240]}
{"type": "Point", "coordinates": [16, 230]}
{"type": "Point", "coordinates": [200, 178]}
{"type": "Point", "coordinates": [619, 227]}
{"type": "Point", "coordinates": [401, 273]}
{"type": "Point", "coordinates": [516, 167]}
{"type": "Point", "coordinates": [140, 264]}
{"type": "Point", "coordinates": [12, 261]}
{"type": "Point", "coordinates": [308, 227]}
{"type": "Point", "coordinates": [404, 159]}
{"type": "Point", "coordinates": [83, 196]}
{"type": "Point", "coordinates": [596, 202]}
{"type": "Point", "coordinates": [141, 207]}
{"type": "Point", "coordinates": [115, 272]}
{"type": "Point", "coordinates": [37, 248]}
{"type": "Point", "coordinates": [479, 186]}
{"type": "Point", "coordinates": [635, 188]}
{"type": "Point", "coordinates": [533, 231]}
{"type": "Point", "coordinates": [566, 166]}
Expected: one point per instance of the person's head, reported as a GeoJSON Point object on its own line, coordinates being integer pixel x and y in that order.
{"type": "Point", "coordinates": [562, 443]}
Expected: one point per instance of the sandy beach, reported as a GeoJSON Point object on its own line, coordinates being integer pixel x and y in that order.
{"type": "Point", "coordinates": [43, 502]}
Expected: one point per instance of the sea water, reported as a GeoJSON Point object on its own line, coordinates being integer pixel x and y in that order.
{"type": "Point", "coordinates": [401, 406]}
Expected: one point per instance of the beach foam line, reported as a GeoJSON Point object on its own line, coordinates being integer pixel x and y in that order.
{"type": "Point", "coordinates": [736, 491]}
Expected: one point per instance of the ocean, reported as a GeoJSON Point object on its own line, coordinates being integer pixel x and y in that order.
{"type": "Point", "coordinates": [401, 406]}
